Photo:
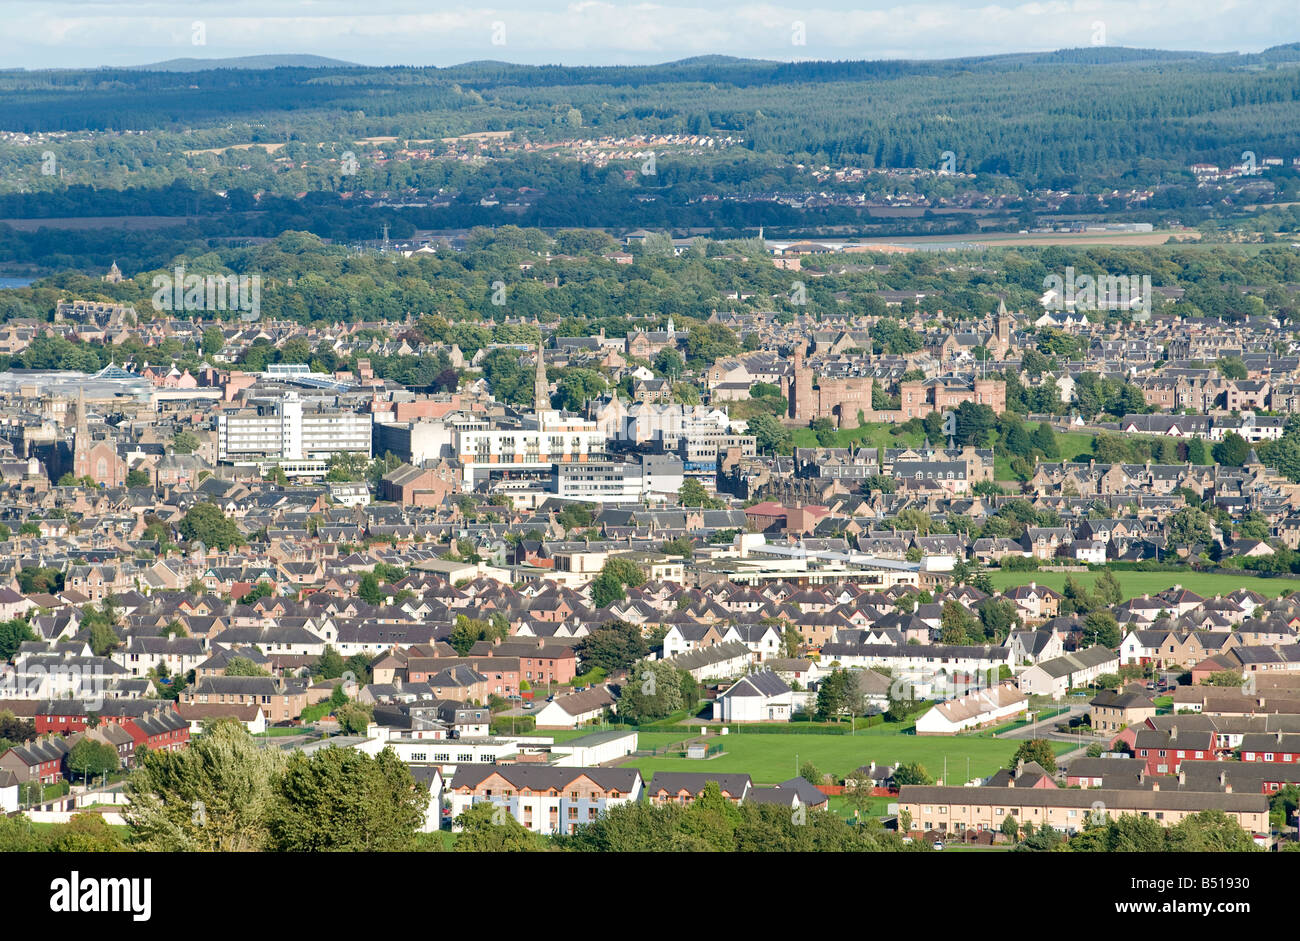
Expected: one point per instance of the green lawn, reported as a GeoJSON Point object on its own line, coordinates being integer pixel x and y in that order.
{"type": "Point", "coordinates": [646, 740]}
{"type": "Point", "coordinates": [877, 807]}
{"type": "Point", "coordinates": [770, 759]}
{"type": "Point", "coordinates": [591, 678]}
{"type": "Point", "coordinates": [872, 435]}
{"type": "Point", "coordinates": [1073, 445]}
{"type": "Point", "coordinates": [1134, 584]}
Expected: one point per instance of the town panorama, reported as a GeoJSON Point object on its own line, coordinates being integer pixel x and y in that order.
{"type": "Point", "coordinates": [841, 455]}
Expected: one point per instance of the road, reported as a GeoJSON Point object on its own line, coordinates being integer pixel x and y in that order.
{"type": "Point", "coordinates": [1046, 728]}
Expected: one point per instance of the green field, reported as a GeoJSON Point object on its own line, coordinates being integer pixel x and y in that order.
{"type": "Point", "coordinates": [1134, 584]}
{"type": "Point", "coordinates": [872, 435]}
{"type": "Point", "coordinates": [1073, 445]}
{"type": "Point", "coordinates": [770, 759]}
{"type": "Point", "coordinates": [877, 806]}
{"type": "Point", "coordinates": [645, 740]}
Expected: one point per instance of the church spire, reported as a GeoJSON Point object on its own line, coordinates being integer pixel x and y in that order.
{"type": "Point", "coordinates": [541, 388]}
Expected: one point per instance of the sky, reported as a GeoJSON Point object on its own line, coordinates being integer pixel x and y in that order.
{"type": "Point", "coordinates": [85, 33]}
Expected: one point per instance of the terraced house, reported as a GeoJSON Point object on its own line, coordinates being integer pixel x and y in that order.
{"type": "Point", "coordinates": [958, 809]}
{"type": "Point", "coordinates": [544, 799]}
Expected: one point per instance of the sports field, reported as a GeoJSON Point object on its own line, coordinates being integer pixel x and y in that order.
{"type": "Point", "coordinates": [1134, 584]}
{"type": "Point", "coordinates": [771, 759]}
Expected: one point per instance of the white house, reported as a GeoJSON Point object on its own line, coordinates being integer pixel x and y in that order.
{"type": "Point", "coordinates": [763, 639]}
{"type": "Point", "coordinates": [13, 605]}
{"type": "Point", "coordinates": [574, 709]}
{"type": "Point", "coordinates": [715, 663]}
{"type": "Point", "coordinates": [683, 638]}
{"type": "Point", "coordinates": [1089, 551]}
{"type": "Point", "coordinates": [178, 654]}
{"type": "Point", "coordinates": [981, 707]}
{"type": "Point", "coordinates": [758, 697]}
{"type": "Point", "coordinates": [431, 778]}
{"type": "Point", "coordinates": [8, 792]}
{"type": "Point", "coordinates": [1034, 646]}
{"type": "Point", "coordinates": [1056, 677]}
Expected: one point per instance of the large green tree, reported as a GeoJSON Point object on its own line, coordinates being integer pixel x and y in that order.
{"type": "Point", "coordinates": [1039, 750]}
{"type": "Point", "coordinates": [215, 795]}
{"type": "Point", "coordinates": [206, 523]}
{"type": "Point", "coordinates": [340, 799]}
{"type": "Point", "coordinates": [90, 758]}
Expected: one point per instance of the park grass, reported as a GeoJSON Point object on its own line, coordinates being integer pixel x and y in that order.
{"type": "Point", "coordinates": [590, 678]}
{"type": "Point", "coordinates": [876, 806]}
{"type": "Point", "coordinates": [1074, 446]}
{"type": "Point", "coordinates": [872, 435]}
{"type": "Point", "coordinates": [1134, 584]}
{"type": "Point", "coordinates": [771, 759]}
{"type": "Point", "coordinates": [644, 740]}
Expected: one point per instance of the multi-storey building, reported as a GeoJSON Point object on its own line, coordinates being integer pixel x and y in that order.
{"type": "Point", "coordinates": [284, 430]}
{"type": "Point", "coordinates": [529, 448]}
{"type": "Point", "coordinates": [541, 798]}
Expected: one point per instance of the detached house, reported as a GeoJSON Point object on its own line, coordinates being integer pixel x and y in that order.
{"type": "Point", "coordinates": [1113, 710]}
{"type": "Point", "coordinates": [757, 697]}
{"type": "Point", "coordinates": [1038, 602]}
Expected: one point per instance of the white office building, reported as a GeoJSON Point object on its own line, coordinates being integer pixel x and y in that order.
{"type": "Point", "coordinates": [285, 430]}
{"type": "Point", "coordinates": [533, 446]}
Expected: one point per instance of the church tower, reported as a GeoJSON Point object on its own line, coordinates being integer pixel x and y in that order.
{"type": "Point", "coordinates": [541, 388]}
{"type": "Point", "coordinates": [80, 437]}
{"type": "Point", "coordinates": [801, 387]}
{"type": "Point", "coordinates": [1002, 326]}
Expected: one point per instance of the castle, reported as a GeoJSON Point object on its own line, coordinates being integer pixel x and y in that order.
{"type": "Point", "coordinates": [848, 402]}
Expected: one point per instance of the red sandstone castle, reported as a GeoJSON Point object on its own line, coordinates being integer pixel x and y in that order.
{"type": "Point", "coordinates": [841, 400]}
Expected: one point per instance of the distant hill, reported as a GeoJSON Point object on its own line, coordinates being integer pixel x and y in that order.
{"type": "Point", "coordinates": [246, 62]}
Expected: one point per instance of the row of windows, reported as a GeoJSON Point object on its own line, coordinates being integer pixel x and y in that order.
{"type": "Point", "coordinates": [1164, 753]}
